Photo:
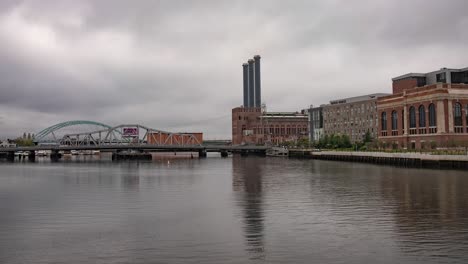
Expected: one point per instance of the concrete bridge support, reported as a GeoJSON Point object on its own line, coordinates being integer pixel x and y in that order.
{"type": "Point", "coordinates": [224, 154]}
{"type": "Point", "coordinates": [202, 153]}
{"type": "Point", "coordinates": [11, 156]}
{"type": "Point", "coordinates": [32, 156]}
{"type": "Point", "coordinates": [55, 155]}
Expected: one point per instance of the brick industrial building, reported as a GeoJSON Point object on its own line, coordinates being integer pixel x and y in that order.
{"type": "Point", "coordinates": [426, 110]}
{"type": "Point", "coordinates": [251, 124]}
{"type": "Point", "coordinates": [352, 116]}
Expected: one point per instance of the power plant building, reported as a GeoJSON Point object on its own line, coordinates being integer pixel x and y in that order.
{"type": "Point", "coordinates": [251, 124]}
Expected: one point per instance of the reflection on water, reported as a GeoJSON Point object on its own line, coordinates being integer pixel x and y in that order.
{"type": "Point", "coordinates": [247, 178]}
{"type": "Point", "coordinates": [232, 210]}
{"type": "Point", "coordinates": [431, 212]}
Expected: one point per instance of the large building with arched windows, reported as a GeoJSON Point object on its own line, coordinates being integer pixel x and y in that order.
{"type": "Point", "coordinates": [253, 125]}
{"type": "Point", "coordinates": [426, 110]}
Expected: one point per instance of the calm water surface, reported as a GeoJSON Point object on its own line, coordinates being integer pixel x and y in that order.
{"type": "Point", "coordinates": [233, 210]}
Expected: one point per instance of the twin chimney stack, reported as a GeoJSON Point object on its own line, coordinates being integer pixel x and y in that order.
{"type": "Point", "coordinates": [252, 82]}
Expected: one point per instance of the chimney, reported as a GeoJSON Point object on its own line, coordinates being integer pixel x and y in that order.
{"type": "Point", "coordinates": [251, 83]}
{"type": "Point", "coordinates": [258, 96]}
{"type": "Point", "coordinates": [245, 67]}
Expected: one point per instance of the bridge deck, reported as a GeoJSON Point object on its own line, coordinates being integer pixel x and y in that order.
{"type": "Point", "coordinates": [143, 147]}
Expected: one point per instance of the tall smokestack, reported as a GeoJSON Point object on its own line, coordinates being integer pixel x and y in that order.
{"type": "Point", "coordinates": [258, 89]}
{"type": "Point", "coordinates": [251, 83]}
{"type": "Point", "coordinates": [245, 67]}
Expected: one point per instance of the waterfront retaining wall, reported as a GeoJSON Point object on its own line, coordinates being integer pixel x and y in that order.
{"type": "Point", "coordinates": [420, 160]}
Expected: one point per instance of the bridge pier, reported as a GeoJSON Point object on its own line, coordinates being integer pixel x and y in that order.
{"type": "Point", "coordinates": [11, 156]}
{"type": "Point", "coordinates": [55, 155]}
{"type": "Point", "coordinates": [224, 154]}
{"type": "Point", "coordinates": [202, 153]}
{"type": "Point", "coordinates": [32, 156]}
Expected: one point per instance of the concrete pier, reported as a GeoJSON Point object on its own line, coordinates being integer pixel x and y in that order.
{"type": "Point", "coordinates": [32, 156]}
{"type": "Point", "coordinates": [202, 153]}
{"type": "Point", "coordinates": [55, 155]}
{"type": "Point", "coordinates": [418, 160]}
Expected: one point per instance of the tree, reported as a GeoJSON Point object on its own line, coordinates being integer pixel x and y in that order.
{"type": "Point", "coordinates": [24, 142]}
{"type": "Point", "coordinates": [345, 142]}
{"type": "Point", "coordinates": [367, 137]}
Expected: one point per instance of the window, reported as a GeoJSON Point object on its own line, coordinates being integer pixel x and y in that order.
{"type": "Point", "coordinates": [457, 115]}
{"type": "Point", "coordinates": [466, 117]}
{"type": "Point", "coordinates": [422, 116]}
{"type": "Point", "coordinates": [441, 77]}
{"type": "Point", "coordinates": [394, 120]}
{"type": "Point", "coordinates": [432, 119]}
{"type": "Point", "coordinates": [384, 120]}
{"type": "Point", "coordinates": [394, 123]}
{"type": "Point", "coordinates": [432, 116]}
{"type": "Point", "coordinates": [412, 116]}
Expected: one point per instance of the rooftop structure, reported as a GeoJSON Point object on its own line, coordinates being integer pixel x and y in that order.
{"type": "Point", "coordinates": [444, 75]}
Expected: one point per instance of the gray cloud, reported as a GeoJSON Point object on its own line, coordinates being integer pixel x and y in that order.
{"type": "Point", "coordinates": [170, 63]}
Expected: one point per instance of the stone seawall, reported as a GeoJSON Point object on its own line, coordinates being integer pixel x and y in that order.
{"type": "Point", "coordinates": [419, 160]}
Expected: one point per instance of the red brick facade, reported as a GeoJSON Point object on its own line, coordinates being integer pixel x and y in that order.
{"type": "Point", "coordinates": [251, 126]}
{"type": "Point", "coordinates": [424, 117]}
{"type": "Point", "coordinates": [403, 84]}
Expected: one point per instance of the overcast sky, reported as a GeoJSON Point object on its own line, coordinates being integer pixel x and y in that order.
{"type": "Point", "coordinates": [176, 65]}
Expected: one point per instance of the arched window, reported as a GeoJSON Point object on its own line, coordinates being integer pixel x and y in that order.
{"type": "Point", "coordinates": [457, 115]}
{"type": "Point", "coordinates": [412, 117]}
{"type": "Point", "coordinates": [466, 117]}
{"type": "Point", "coordinates": [432, 116]}
{"type": "Point", "coordinates": [384, 120]}
{"type": "Point", "coordinates": [422, 116]}
{"type": "Point", "coordinates": [394, 120]}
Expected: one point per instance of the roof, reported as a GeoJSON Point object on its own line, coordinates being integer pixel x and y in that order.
{"type": "Point", "coordinates": [282, 114]}
{"type": "Point", "coordinates": [409, 75]}
{"type": "Point", "coordinates": [444, 69]}
{"type": "Point", "coordinates": [358, 98]}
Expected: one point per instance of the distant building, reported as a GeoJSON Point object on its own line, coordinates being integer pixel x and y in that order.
{"type": "Point", "coordinates": [7, 144]}
{"type": "Point", "coordinates": [315, 123]}
{"type": "Point", "coordinates": [444, 75]}
{"type": "Point", "coordinates": [254, 126]}
{"type": "Point", "coordinates": [352, 116]}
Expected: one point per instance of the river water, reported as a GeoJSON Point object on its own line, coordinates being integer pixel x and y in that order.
{"type": "Point", "coordinates": [230, 210]}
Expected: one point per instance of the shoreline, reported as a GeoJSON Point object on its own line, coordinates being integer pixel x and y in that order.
{"type": "Point", "coordinates": [415, 160]}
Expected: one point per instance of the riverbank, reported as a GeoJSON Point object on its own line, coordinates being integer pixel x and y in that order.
{"type": "Point", "coordinates": [418, 160]}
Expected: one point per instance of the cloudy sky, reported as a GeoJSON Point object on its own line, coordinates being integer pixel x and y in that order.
{"type": "Point", "coordinates": [176, 65]}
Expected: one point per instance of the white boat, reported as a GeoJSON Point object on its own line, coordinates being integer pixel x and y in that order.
{"type": "Point", "coordinates": [96, 152]}
{"type": "Point", "coordinates": [41, 153]}
{"type": "Point", "coordinates": [74, 152]}
{"type": "Point", "coordinates": [277, 152]}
